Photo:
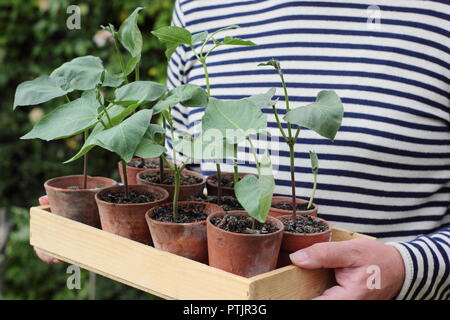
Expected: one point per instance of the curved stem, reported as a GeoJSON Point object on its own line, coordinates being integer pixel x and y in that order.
{"type": "Point", "coordinates": [85, 161]}
{"type": "Point", "coordinates": [294, 198]}
{"type": "Point", "coordinates": [311, 198]}
{"type": "Point", "coordinates": [252, 148]}
{"type": "Point", "coordinates": [235, 165]}
{"type": "Point", "coordinates": [122, 64]}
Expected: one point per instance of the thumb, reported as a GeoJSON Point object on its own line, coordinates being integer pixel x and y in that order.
{"type": "Point", "coordinates": [340, 254]}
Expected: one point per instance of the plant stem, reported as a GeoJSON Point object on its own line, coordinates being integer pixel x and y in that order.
{"type": "Point", "coordinates": [136, 72]}
{"type": "Point", "coordinates": [122, 64]}
{"type": "Point", "coordinates": [252, 148]}
{"type": "Point", "coordinates": [208, 86]}
{"type": "Point", "coordinates": [235, 165]}
{"type": "Point", "coordinates": [294, 198]}
{"type": "Point", "coordinates": [125, 178]}
{"type": "Point", "coordinates": [176, 195]}
{"type": "Point", "coordinates": [85, 162]}
{"type": "Point", "coordinates": [161, 168]}
{"type": "Point", "coordinates": [219, 184]}
{"type": "Point", "coordinates": [311, 198]}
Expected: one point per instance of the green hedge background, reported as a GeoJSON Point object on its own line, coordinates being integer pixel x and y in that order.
{"type": "Point", "coordinates": [34, 40]}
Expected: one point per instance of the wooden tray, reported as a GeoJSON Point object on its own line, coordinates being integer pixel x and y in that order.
{"type": "Point", "coordinates": [164, 274]}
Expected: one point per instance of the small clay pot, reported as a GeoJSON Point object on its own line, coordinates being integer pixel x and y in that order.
{"type": "Point", "coordinates": [184, 239]}
{"type": "Point", "coordinates": [243, 254]}
{"type": "Point", "coordinates": [133, 171]}
{"type": "Point", "coordinates": [274, 212]}
{"type": "Point", "coordinates": [186, 191]}
{"type": "Point", "coordinates": [128, 220]}
{"type": "Point", "coordinates": [213, 188]}
{"type": "Point", "coordinates": [76, 204]}
{"type": "Point", "coordinates": [296, 241]}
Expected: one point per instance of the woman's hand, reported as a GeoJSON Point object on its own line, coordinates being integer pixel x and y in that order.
{"type": "Point", "coordinates": [45, 257]}
{"type": "Point", "coordinates": [354, 262]}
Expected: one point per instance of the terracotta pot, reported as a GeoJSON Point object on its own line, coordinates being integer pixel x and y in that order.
{"type": "Point", "coordinates": [184, 239]}
{"type": "Point", "coordinates": [274, 212]}
{"type": "Point", "coordinates": [243, 254]}
{"type": "Point", "coordinates": [133, 171]}
{"type": "Point", "coordinates": [226, 191]}
{"type": "Point", "coordinates": [128, 220]}
{"type": "Point", "coordinates": [296, 241]}
{"type": "Point", "coordinates": [78, 204]}
{"type": "Point", "coordinates": [186, 191]}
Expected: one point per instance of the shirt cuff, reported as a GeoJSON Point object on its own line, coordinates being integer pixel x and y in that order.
{"type": "Point", "coordinates": [409, 268]}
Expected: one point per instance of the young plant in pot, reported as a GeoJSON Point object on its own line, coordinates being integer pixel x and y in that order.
{"type": "Point", "coordinates": [219, 184]}
{"type": "Point", "coordinates": [180, 227]}
{"type": "Point", "coordinates": [69, 196]}
{"type": "Point", "coordinates": [246, 242]}
{"type": "Point", "coordinates": [324, 116]}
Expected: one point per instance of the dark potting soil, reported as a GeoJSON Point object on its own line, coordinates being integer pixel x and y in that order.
{"type": "Point", "coordinates": [288, 206]}
{"type": "Point", "coordinates": [192, 212]}
{"type": "Point", "coordinates": [134, 197]}
{"type": "Point", "coordinates": [146, 164]}
{"type": "Point", "coordinates": [242, 224]}
{"type": "Point", "coordinates": [304, 224]}
{"type": "Point", "coordinates": [225, 181]}
{"type": "Point", "coordinates": [228, 203]}
{"type": "Point", "coordinates": [185, 180]}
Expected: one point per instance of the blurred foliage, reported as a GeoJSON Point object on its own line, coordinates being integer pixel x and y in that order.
{"type": "Point", "coordinates": [34, 40]}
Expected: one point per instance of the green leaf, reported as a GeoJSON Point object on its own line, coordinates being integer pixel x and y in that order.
{"type": "Point", "coordinates": [255, 194]}
{"type": "Point", "coordinates": [172, 37]}
{"type": "Point", "coordinates": [112, 80]}
{"type": "Point", "coordinates": [189, 95]}
{"type": "Point", "coordinates": [83, 73]}
{"type": "Point", "coordinates": [122, 139]}
{"type": "Point", "coordinates": [236, 119]}
{"type": "Point", "coordinates": [204, 147]}
{"type": "Point", "coordinates": [129, 34]}
{"type": "Point", "coordinates": [150, 146]}
{"type": "Point", "coordinates": [236, 42]}
{"type": "Point", "coordinates": [314, 161]}
{"type": "Point", "coordinates": [88, 144]}
{"type": "Point", "coordinates": [38, 91]}
{"type": "Point", "coordinates": [137, 91]}
{"type": "Point", "coordinates": [272, 62]}
{"type": "Point", "coordinates": [324, 116]}
{"type": "Point", "coordinates": [263, 100]}
{"type": "Point", "coordinates": [131, 64]}
{"type": "Point", "coordinates": [201, 36]}
{"type": "Point", "coordinates": [67, 120]}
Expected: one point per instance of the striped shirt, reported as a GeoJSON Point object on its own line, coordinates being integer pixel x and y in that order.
{"type": "Point", "coordinates": [387, 174]}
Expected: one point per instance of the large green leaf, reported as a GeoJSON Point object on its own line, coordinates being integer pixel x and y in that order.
{"type": "Point", "coordinates": [255, 193]}
{"type": "Point", "coordinates": [172, 37]}
{"type": "Point", "coordinates": [190, 95]}
{"type": "Point", "coordinates": [67, 120]}
{"type": "Point", "coordinates": [204, 147]}
{"type": "Point", "coordinates": [122, 139]}
{"type": "Point", "coordinates": [324, 116]}
{"type": "Point", "coordinates": [236, 119]}
{"type": "Point", "coordinates": [83, 73]}
{"type": "Point", "coordinates": [38, 91]}
{"type": "Point", "coordinates": [139, 91]}
{"type": "Point", "coordinates": [150, 146]}
{"type": "Point", "coordinates": [129, 34]}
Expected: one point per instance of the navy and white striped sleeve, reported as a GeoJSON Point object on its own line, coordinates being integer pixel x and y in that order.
{"type": "Point", "coordinates": [175, 77]}
{"type": "Point", "coordinates": [427, 266]}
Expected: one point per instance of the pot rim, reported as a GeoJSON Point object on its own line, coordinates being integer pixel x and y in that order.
{"type": "Point", "coordinates": [315, 207]}
{"type": "Point", "coordinates": [150, 212]}
{"type": "Point", "coordinates": [187, 172]}
{"type": "Point", "coordinates": [330, 227]}
{"type": "Point", "coordinates": [245, 235]}
{"type": "Point", "coordinates": [47, 183]}
{"type": "Point", "coordinates": [159, 189]}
